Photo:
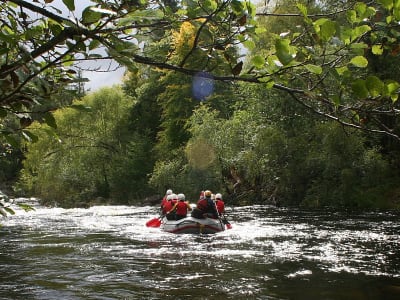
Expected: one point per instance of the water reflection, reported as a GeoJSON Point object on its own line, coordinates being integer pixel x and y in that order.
{"type": "Point", "coordinates": [108, 253]}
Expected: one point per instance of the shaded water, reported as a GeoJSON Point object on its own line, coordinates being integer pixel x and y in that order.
{"type": "Point", "coordinates": [270, 253]}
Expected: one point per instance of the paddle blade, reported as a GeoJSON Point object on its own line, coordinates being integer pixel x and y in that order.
{"type": "Point", "coordinates": [228, 226]}
{"type": "Point", "coordinates": [156, 222]}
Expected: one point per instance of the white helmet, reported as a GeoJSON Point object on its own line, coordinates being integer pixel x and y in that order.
{"type": "Point", "coordinates": [181, 196]}
{"type": "Point", "coordinates": [169, 197]}
{"type": "Point", "coordinates": [169, 192]}
{"type": "Point", "coordinates": [174, 197]}
{"type": "Point", "coordinates": [218, 196]}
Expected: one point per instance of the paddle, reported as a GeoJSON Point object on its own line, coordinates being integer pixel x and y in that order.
{"type": "Point", "coordinates": [156, 222]}
{"type": "Point", "coordinates": [226, 222]}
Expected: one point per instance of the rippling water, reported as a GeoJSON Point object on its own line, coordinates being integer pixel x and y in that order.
{"type": "Point", "coordinates": [107, 252]}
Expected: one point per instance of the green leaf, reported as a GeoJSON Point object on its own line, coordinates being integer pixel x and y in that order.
{"type": "Point", "coordinates": [360, 89]}
{"type": "Point", "coordinates": [303, 9]}
{"type": "Point", "coordinates": [50, 120]}
{"type": "Point", "coordinates": [336, 100]}
{"type": "Point", "coordinates": [359, 61]}
{"type": "Point", "coordinates": [391, 90]}
{"type": "Point", "coordinates": [342, 70]}
{"type": "Point", "coordinates": [94, 44]}
{"type": "Point", "coordinates": [325, 28]}
{"type": "Point", "coordinates": [375, 86]}
{"type": "Point", "coordinates": [90, 16]}
{"type": "Point", "coordinates": [70, 4]}
{"type": "Point", "coordinates": [359, 31]}
{"type": "Point", "coordinates": [314, 69]}
{"type": "Point", "coordinates": [377, 49]}
{"type": "Point", "coordinates": [328, 29]}
{"type": "Point", "coordinates": [388, 4]}
{"type": "Point", "coordinates": [249, 44]}
{"type": "Point", "coordinates": [283, 51]}
{"type": "Point", "coordinates": [352, 16]}
{"type": "Point", "coordinates": [29, 136]}
{"type": "Point", "coordinates": [210, 4]}
{"type": "Point", "coordinates": [258, 61]}
{"type": "Point", "coordinates": [360, 8]}
{"type": "Point", "coordinates": [396, 13]}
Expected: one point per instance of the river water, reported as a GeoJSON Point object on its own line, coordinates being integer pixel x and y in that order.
{"type": "Point", "coordinates": [107, 252]}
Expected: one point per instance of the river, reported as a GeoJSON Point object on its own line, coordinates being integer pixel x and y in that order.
{"type": "Point", "coordinates": [107, 252]}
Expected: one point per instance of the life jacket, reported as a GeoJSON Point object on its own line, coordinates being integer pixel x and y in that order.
{"type": "Point", "coordinates": [181, 208]}
{"type": "Point", "coordinates": [220, 206]}
{"type": "Point", "coordinates": [202, 205]}
{"type": "Point", "coordinates": [168, 206]}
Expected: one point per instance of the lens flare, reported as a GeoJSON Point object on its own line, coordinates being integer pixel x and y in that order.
{"type": "Point", "coordinates": [202, 86]}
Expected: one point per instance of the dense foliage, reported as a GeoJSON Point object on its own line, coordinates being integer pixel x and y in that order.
{"type": "Point", "coordinates": [304, 112]}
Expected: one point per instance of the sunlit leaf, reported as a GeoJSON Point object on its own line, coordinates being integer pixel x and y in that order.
{"type": "Point", "coordinates": [388, 4]}
{"type": "Point", "coordinates": [283, 51]}
{"type": "Point", "coordinates": [377, 49]}
{"type": "Point", "coordinates": [258, 61]}
{"type": "Point", "coordinates": [249, 44]}
{"type": "Point", "coordinates": [303, 9]}
{"type": "Point", "coordinates": [392, 89]}
{"type": "Point", "coordinates": [359, 61]}
{"type": "Point", "coordinates": [210, 4]}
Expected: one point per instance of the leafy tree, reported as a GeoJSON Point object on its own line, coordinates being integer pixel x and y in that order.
{"type": "Point", "coordinates": [77, 163]}
{"type": "Point", "coordinates": [326, 63]}
{"type": "Point", "coordinates": [42, 48]}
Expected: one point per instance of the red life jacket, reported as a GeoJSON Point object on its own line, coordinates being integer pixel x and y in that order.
{"type": "Point", "coordinates": [202, 204]}
{"type": "Point", "coordinates": [220, 206]}
{"type": "Point", "coordinates": [168, 206]}
{"type": "Point", "coordinates": [181, 208]}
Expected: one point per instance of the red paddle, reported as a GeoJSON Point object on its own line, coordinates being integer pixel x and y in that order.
{"type": "Point", "coordinates": [226, 222]}
{"type": "Point", "coordinates": [156, 222]}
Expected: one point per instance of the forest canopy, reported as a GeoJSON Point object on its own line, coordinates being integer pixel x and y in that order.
{"type": "Point", "coordinates": [289, 102]}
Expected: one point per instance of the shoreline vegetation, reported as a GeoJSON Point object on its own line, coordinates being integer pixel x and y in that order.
{"type": "Point", "coordinates": [298, 111]}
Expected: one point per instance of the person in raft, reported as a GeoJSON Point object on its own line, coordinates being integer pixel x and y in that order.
{"type": "Point", "coordinates": [220, 204]}
{"type": "Point", "coordinates": [167, 207]}
{"type": "Point", "coordinates": [181, 208]}
{"type": "Point", "coordinates": [164, 201]}
{"type": "Point", "coordinates": [205, 208]}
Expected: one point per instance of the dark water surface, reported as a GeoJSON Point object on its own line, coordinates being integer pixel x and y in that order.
{"type": "Point", "coordinates": [270, 253]}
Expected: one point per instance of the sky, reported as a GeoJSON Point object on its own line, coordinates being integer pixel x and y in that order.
{"type": "Point", "coordinates": [96, 79]}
